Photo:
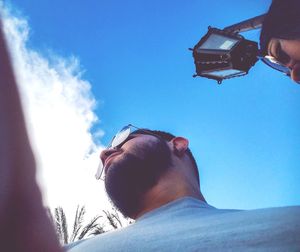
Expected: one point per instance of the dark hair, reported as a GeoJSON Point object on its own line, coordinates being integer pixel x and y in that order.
{"type": "Point", "coordinates": [168, 137]}
{"type": "Point", "coordinates": [282, 21]}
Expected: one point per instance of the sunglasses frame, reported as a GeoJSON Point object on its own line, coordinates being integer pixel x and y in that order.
{"type": "Point", "coordinates": [272, 62]}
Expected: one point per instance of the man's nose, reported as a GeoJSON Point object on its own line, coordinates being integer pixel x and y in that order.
{"type": "Point", "coordinates": [106, 153]}
{"type": "Point", "coordinates": [295, 72]}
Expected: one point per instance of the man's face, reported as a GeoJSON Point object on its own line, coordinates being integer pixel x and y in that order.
{"type": "Point", "coordinates": [133, 169]}
{"type": "Point", "coordinates": [287, 52]}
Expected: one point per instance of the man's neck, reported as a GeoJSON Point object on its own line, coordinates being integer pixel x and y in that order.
{"type": "Point", "coordinates": [164, 194]}
{"type": "Point", "coordinates": [157, 203]}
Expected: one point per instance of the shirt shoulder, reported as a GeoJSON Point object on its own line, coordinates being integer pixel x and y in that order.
{"type": "Point", "coordinates": [189, 225]}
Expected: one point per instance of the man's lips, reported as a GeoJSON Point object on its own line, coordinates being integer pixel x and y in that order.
{"type": "Point", "coordinates": [108, 160]}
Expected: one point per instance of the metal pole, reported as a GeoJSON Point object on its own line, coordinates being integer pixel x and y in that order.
{"type": "Point", "coordinates": [247, 25]}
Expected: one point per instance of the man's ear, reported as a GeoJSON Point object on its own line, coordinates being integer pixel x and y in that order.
{"type": "Point", "coordinates": [180, 145]}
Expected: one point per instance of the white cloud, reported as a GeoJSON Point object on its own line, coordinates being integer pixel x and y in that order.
{"type": "Point", "coordinates": [59, 108]}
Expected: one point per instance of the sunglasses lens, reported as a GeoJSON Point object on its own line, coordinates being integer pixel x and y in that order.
{"type": "Point", "coordinates": [99, 170]}
{"type": "Point", "coordinates": [272, 62]}
{"type": "Point", "coordinates": [120, 137]}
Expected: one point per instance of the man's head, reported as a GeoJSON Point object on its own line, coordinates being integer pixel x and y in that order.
{"type": "Point", "coordinates": [146, 165]}
{"type": "Point", "coordinates": [280, 35]}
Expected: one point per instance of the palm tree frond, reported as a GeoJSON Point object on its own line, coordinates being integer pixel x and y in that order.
{"type": "Point", "coordinates": [80, 230]}
{"type": "Point", "coordinates": [77, 222]}
{"type": "Point", "coordinates": [97, 230]}
{"type": "Point", "coordinates": [58, 224]}
{"type": "Point", "coordinates": [111, 220]}
{"type": "Point", "coordinates": [64, 226]}
{"type": "Point", "coordinates": [117, 218]}
{"type": "Point", "coordinates": [89, 227]}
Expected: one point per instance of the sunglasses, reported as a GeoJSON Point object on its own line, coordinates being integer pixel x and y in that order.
{"type": "Point", "coordinates": [275, 64]}
{"type": "Point", "coordinates": [119, 139]}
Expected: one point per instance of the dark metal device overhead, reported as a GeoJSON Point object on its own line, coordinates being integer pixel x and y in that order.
{"type": "Point", "coordinates": [224, 54]}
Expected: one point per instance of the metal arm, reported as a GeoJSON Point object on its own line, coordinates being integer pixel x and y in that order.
{"type": "Point", "coordinates": [247, 25]}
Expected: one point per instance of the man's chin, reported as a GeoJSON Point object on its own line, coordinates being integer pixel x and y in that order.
{"type": "Point", "coordinates": [129, 210]}
{"type": "Point", "coordinates": [119, 188]}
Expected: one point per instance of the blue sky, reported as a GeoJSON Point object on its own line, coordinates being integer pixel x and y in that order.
{"type": "Point", "coordinates": [245, 133]}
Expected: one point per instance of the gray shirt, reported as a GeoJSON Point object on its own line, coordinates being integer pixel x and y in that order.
{"type": "Point", "coordinates": [189, 224]}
